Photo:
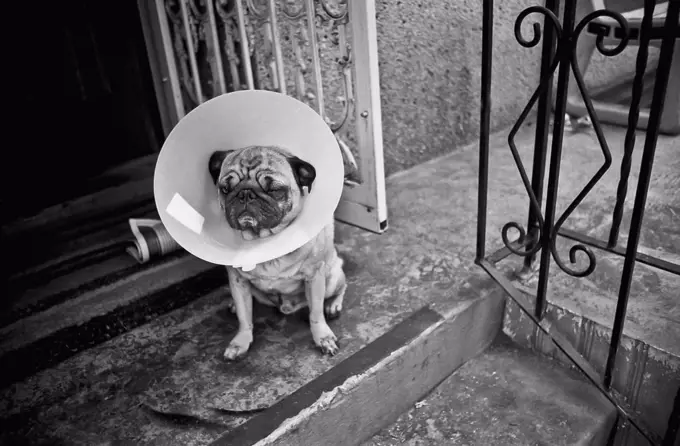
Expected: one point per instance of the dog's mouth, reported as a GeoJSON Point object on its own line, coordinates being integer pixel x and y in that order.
{"type": "Point", "coordinates": [252, 227]}
{"type": "Point", "coordinates": [255, 217]}
{"type": "Point", "coordinates": [247, 221]}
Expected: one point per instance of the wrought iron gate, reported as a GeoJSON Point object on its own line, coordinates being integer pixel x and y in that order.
{"type": "Point", "coordinates": [323, 52]}
{"type": "Point", "coordinates": [538, 245]}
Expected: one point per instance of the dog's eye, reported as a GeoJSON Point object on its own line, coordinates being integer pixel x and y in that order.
{"type": "Point", "coordinates": [228, 183]}
{"type": "Point", "coordinates": [278, 194]}
{"type": "Point", "coordinates": [266, 182]}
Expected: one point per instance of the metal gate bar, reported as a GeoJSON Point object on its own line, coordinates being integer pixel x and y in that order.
{"type": "Point", "coordinates": [559, 55]}
{"type": "Point", "coordinates": [633, 116]}
{"type": "Point", "coordinates": [651, 137]}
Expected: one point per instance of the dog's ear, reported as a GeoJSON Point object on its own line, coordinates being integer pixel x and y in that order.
{"type": "Point", "coordinates": [305, 173]}
{"type": "Point", "coordinates": [215, 163]}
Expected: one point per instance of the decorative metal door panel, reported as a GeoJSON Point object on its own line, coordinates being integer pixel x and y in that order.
{"type": "Point", "coordinates": [322, 52]}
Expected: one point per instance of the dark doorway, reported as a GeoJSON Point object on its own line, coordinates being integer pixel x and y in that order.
{"type": "Point", "coordinates": [83, 101]}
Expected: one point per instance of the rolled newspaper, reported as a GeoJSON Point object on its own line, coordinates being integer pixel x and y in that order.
{"type": "Point", "coordinates": [152, 240]}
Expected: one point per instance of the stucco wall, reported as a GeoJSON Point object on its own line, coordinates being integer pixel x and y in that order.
{"type": "Point", "coordinates": [430, 74]}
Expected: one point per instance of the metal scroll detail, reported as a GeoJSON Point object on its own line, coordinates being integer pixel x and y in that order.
{"type": "Point", "coordinates": [559, 40]}
{"type": "Point", "coordinates": [183, 44]}
{"type": "Point", "coordinates": [298, 47]}
{"type": "Point", "coordinates": [565, 54]}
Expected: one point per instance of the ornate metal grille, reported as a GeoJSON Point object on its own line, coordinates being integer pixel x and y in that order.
{"type": "Point", "coordinates": [538, 245]}
{"type": "Point", "coordinates": [322, 52]}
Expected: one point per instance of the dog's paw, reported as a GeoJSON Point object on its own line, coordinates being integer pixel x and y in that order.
{"type": "Point", "coordinates": [332, 308]}
{"type": "Point", "coordinates": [324, 338]}
{"type": "Point", "coordinates": [239, 345]}
{"type": "Point", "coordinates": [231, 306]}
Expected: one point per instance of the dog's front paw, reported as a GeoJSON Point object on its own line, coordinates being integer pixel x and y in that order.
{"type": "Point", "coordinates": [239, 345]}
{"type": "Point", "coordinates": [324, 338]}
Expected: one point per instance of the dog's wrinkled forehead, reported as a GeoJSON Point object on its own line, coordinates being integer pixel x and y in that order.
{"type": "Point", "coordinates": [258, 158]}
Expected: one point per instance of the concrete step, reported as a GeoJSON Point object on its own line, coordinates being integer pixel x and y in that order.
{"type": "Point", "coordinates": [162, 379]}
{"type": "Point", "coordinates": [416, 309]}
{"type": "Point", "coordinates": [647, 372]}
{"type": "Point", "coordinates": [166, 383]}
{"type": "Point", "coordinates": [158, 377]}
{"type": "Point", "coordinates": [51, 328]}
{"type": "Point", "coordinates": [646, 375]}
{"type": "Point", "coordinates": [505, 396]}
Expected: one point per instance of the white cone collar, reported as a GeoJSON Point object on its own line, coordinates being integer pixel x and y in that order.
{"type": "Point", "coordinates": [186, 197]}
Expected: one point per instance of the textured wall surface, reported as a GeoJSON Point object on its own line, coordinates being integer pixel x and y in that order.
{"type": "Point", "coordinates": [430, 73]}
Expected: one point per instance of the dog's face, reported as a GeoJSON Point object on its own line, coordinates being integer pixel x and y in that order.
{"type": "Point", "coordinates": [260, 189]}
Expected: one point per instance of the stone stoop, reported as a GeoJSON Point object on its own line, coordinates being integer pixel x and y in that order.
{"type": "Point", "coordinates": [506, 396]}
{"type": "Point", "coordinates": [135, 357]}
{"type": "Point", "coordinates": [164, 383]}
{"type": "Point", "coordinates": [445, 384]}
{"type": "Point", "coordinates": [370, 389]}
{"type": "Point", "coordinates": [646, 376]}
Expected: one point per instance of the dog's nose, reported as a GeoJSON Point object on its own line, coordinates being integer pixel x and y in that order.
{"type": "Point", "coordinates": [246, 195]}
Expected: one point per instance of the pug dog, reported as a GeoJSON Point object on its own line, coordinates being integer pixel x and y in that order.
{"type": "Point", "coordinates": [261, 190]}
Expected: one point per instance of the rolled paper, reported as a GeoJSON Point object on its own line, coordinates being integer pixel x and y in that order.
{"type": "Point", "coordinates": [151, 240]}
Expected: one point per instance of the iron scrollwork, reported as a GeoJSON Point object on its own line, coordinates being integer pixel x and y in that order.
{"type": "Point", "coordinates": [291, 13]}
{"type": "Point", "coordinates": [533, 201]}
{"type": "Point", "coordinates": [228, 17]}
{"type": "Point", "coordinates": [262, 41]}
{"type": "Point", "coordinates": [227, 45]}
{"type": "Point", "coordinates": [338, 21]}
{"type": "Point", "coordinates": [592, 262]}
{"type": "Point", "coordinates": [204, 31]}
{"type": "Point", "coordinates": [564, 53]}
{"type": "Point", "coordinates": [173, 11]}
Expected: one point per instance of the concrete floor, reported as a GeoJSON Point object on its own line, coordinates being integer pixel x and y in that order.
{"type": "Point", "coordinates": [505, 396]}
{"type": "Point", "coordinates": [654, 309]}
{"type": "Point", "coordinates": [174, 363]}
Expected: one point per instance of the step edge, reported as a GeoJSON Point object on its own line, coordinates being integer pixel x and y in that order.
{"type": "Point", "coordinates": [632, 331]}
{"type": "Point", "coordinates": [102, 300]}
{"type": "Point", "coordinates": [588, 328]}
{"type": "Point", "coordinates": [428, 347]}
{"type": "Point", "coordinates": [507, 358]}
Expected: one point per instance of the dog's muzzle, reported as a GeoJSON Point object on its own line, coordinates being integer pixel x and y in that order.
{"type": "Point", "coordinates": [246, 195]}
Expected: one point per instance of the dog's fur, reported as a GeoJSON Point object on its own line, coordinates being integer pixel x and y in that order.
{"type": "Point", "coordinates": [261, 191]}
